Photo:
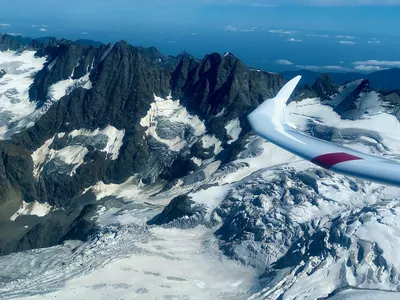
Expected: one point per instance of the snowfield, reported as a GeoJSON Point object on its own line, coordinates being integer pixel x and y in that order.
{"type": "Point", "coordinates": [17, 111]}
{"type": "Point", "coordinates": [133, 262]}
{"type": "Point", "coordinates": [268, 225]}
{"type": "Point", "coordinates": [109, 140]}
{"type": "Point", "coordinates": [15, 105]}
{"type": "Point", "coordinates": [170, 114]}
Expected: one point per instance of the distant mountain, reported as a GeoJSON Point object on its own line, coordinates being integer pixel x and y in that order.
{"type": "Point", "coordinates": [89, 42]}
{"type": "Point", "coordinates": [385, 79]}
{"type": "Point", "coordinates": [380, 79]}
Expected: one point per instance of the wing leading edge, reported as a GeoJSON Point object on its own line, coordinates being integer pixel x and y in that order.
{"type": "Point", "coordinates": [268, 121]}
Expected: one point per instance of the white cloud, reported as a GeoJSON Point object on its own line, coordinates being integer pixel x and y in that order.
{"type": "Point", "coordinates": [380, 63]}
{"type": "Point", "coordinates": [33, 26]}
{"type": "Point", "coordinates": [280, 31]}
{"type": "Point", "coordinates": [294, 40]}
{"type": "Point", "coordinates": [4, 25]}
{"type": "Point", "coordinates": [85, 33]}
{"type": "Point", "coordinates": [335, 68]}
{"type": "Point", "coordinates": [345, 37]}
{"type": "Point", "coordinates": [317, 35]}
{"type": "Point", "coordinates": [323, 68]}
{"type": "Point", "coordinates": [369, 68]}
{"type": "Point", "coordinates": [14, 34]}
{"type": "Point", "coordinates": [375, 65]}
{"type": "Point", "coordinates": [43, 29]}
{"type": "Point", "coordinates": [230, 28]}
{"type": "Point", "coordinates": [248, 29]}
{"type": "Point", "coordinates": [283, 62]}
{"type": "Point", "coordinates": [346, 42]}
{"type": "Point", "coordinates": [374, 42]}
{"type": "Point", "coordinates": [235, 29]}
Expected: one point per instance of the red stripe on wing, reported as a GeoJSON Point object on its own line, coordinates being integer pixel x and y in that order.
{"type": "Point", "coordinates": [329, 160]}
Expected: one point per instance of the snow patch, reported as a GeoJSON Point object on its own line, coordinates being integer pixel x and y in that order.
{"type": "Point", "coordinates": [211, 140]}
{"type": "Point", "coordinates": [107, 52]}
{"type": "Point", "coordinates": [40, 156]}
{"type": "Point", "coordinates": [211, 197]}
{"type": "Point", "coordinates": [233, 129]}
{"type": "Point", "coordinates": [74, 153]}
{"type": "Point", "coordinates": [65, 87]}
{"type": "Point", "coordinates": [131, 190]}
{"type": "Point", "coordinates": [221, 113]}
{"type": "Point", "coordinates": [114, 138]}
{"type": "Point", "coordinates": [32, 209]}
{"type": "Point", "coordinates": [211, 168]}
{"type": "Point", "coordinates": [197, 161]}
{"type": "Point", "coordinates": [174, 112]}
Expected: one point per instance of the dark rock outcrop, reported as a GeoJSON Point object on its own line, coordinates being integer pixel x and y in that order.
{"type": "Point", "coordinates": [324, 87]}
{"type": "Point", "coordinates": [178, 207]}
{"type": "Point", "coordinates": [222, 83]}
{"type": "Point", "coordinates": [9, 42]}
{"type": "Point", "coordinates": [16, 173]}
{"type": "Point", "coordinates": [83, 225]}
{"type": "Point", "coordinates": [304, 93]}
{"type": "Point", "coordinates": [348, 102]}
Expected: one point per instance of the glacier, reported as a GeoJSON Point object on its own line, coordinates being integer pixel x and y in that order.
{"type": "Point", "coordinates": [265, 224]}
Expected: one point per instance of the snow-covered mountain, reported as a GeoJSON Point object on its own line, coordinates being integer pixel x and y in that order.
{"type": "Point", "coordinates": [128, 174]}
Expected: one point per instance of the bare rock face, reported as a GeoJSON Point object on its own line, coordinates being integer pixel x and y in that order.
{"type": "Point", "coordinates": [324, 87]}
{"type": "Point", "coordinates": [124, 80]}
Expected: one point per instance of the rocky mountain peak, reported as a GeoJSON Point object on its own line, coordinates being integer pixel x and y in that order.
{"type": "Point", "coordinates": [324, 87]}
{"type": "Point", "coordinates": [222, 84]}
{"type": "Point", "coordinates": [184, 54]}
{"type": "Point", "coordinates": [152, 53]}
{"type": "Point", "coordinates": [9, 42]}
{"type": "Point", "coordinates": [351, 100]}
{"type": "Point", "coordinates": [304, 92]}
{"type": "Point", "coordinates": [89, 98]}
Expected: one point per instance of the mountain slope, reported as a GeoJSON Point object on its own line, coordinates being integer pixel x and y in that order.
{"type": "Point", "coordinates": [126, 161]}
{"type": "Point", "coordinates": [86, 123]}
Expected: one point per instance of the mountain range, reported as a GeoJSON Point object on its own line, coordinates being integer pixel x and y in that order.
{"type": "Point", "coordinates": [119, 158]}
{"type": "Point", "coordinates": [385, 79]}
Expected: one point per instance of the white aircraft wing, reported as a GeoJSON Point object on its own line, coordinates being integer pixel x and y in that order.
{"type": "Point", "coordinates": [268, 122]}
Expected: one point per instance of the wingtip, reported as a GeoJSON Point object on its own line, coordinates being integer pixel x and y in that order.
{"type": "Point", "coordinates": [288, 88]}
{"type": "Point", "coordinates": [275, 107]}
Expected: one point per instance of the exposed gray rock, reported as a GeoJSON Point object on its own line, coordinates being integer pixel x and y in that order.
{"type": "Point", "coordinates": [179, 207]}
{"type": "Point", "coordinates": [324, 87]}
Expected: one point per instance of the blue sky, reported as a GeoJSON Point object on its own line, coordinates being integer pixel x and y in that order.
{"type": "Point", "coordinates": [269, 34]}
